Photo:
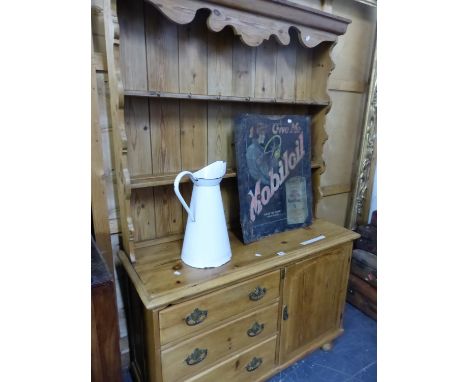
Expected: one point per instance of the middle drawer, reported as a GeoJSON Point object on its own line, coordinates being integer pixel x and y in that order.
{"type": "Point", "coordinates": [197, 353]}
{"type": "Point", "coordinates": [190, 317]}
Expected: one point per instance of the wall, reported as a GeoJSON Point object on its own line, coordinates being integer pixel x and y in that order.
{"type": "Point", "coordinates": [348, 85]}
{"type": "Point", "coordinates": [108, 176]}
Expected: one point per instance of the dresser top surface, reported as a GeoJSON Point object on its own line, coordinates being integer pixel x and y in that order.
{"type": "Point", "coordinates": [160, 277]}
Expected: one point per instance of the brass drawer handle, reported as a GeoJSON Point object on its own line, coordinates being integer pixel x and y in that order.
{"type": "Point", "coordinates": [197, 356]}
{"type": "Point", "coordinates": [255, 330]}
{"type": "Point", "coordinates": [196, 317]}
{"type": "Point", "coordinates": [257, 293]}
{"type": "Point", "coordinates": [254, 364]}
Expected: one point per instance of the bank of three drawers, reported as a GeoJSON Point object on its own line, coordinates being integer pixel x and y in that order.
{"type": "Point", "coordinates": [229, 334]}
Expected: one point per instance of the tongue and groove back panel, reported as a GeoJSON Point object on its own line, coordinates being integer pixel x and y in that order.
{"type": "Point", "coordinates": [167, 135]}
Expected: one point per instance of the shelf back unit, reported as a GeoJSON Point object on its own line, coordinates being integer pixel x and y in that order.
{"type": "Point", "coordinates": [180, 70]}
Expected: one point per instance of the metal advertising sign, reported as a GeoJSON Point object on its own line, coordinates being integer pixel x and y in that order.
{"type": "Point", "coordinates": [273, 173]}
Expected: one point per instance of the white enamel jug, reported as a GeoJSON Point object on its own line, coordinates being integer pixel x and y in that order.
{"type": "Point", "coordinates": [206, 240]}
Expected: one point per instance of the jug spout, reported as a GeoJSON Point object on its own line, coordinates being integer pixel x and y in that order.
{"type": "Point", "coordinates": [212, 171]}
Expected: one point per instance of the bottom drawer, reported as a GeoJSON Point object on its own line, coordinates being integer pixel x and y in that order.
{"type": "Point", "coordinates": [250, 365]}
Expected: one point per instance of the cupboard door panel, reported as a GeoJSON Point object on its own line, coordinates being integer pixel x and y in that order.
{"type": "Point", "coordinates": [313, 294]}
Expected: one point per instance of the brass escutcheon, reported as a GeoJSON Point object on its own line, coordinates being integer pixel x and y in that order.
{"type": "Point", "coordinates": [197, 356]}
{"type": "Point", "coordinates": [196, 317]}
{"type": "Point", "coordinates": [254, 364]}
{"type": "Point", "coordinates": [257, 293]}
{"type": "Point", "coordinates": [255, 330]}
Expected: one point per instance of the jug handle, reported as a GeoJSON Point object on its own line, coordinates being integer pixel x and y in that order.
{"type": "Point", "coordinates": [177, 192]}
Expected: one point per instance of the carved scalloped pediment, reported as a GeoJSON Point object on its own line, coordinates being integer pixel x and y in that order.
{"type": "Point", "coordinates": [256, 21]}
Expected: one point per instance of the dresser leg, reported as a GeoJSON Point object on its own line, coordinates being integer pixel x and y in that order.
{"type": "Point", "coordinates": [327, 346]}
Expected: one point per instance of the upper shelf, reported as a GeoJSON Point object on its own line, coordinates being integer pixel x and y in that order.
{"type": "Point", "coordinates": [143, 181]}
{"type": "Point", "coordinates": [157, 94]}
{"type": "Point", "coordinates": [256, 21]}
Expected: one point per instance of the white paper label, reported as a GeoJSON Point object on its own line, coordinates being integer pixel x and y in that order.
{"type": "Point", "coordinates": [313, 240]}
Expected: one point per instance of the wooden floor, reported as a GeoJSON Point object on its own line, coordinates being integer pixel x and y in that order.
{"type": "Point", "coordinates": [352, 359]}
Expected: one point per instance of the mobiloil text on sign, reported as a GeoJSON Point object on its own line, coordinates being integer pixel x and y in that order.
{"type": "Point", "coordinates": [273, 173]}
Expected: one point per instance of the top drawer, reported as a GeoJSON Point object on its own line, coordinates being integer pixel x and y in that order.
{"type": "Point", "coordinates": [191, 316]}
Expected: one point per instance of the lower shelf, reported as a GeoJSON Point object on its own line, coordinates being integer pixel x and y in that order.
{"type": "Point", "coordinates": [150, 180]}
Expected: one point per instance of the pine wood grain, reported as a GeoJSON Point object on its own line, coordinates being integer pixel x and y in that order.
{"type": "Point", "coordinates": [158, 285]}
{"type": "Point", "coordinates": [220, 341]}
{"type": "Point", "coordinates": [167, 211]}
{"type": "Point", "coordinates": [286, 71]}
{"type": "Point", "coordinates": [353, 53]}
{"type": "Point", "coordinates": [193, 57]}
{"type": "Point", "coordinates": [120, 144]}
{"type": "Point", "coordinates": [162, 51]}
{"type": "Point", "coordinates": [221, 134]}
{"type": "Point", "coordinates": [132, 45]}
{"type": "Point", "coordinates": [187, 61]}
{"type": "Point", "coordinates": [312, 295]}
{"type": "Point", "coordinates": [230, 198]}
{"type": "Point", "coordinates": [151, 319]}
{"type": "Point", "coordinates": [224, 98]}
{"type": "Point", "coordinates": [142, 206]}
{"type": "Point", "coordinates": [99, 207]}
{"type": "Point", "coordinates": [234, 368]}
{"type": "Point", "coordinates": [265, 69]}
{"type": "Point", "coordinates": [322, 65]}
{"type": "Point", "coordinates": [138, 135]}
{"type": "Point", "coordinates": [193, 125]}
{"type": "Point", "coordinates": [220, 306]}
{"type": "Point", "coordinates": [220, 62]}
{"type": "Point", "coordinates": [304, 73]}
{"type": "Point", "coordinates": [243, 68]}
{"type": "Point", "coordinates": [165, 136]}
{"type": "Point", "coordinates": [143, 181]}
{"type": "Point", "coordinates": [260, 20]}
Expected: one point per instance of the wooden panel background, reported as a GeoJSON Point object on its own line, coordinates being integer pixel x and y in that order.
{"type": "Point", "coordinates": [97, 22]}
{"type": "Point", "coordinates": [169, 135]}
{"type": "Point", "coordinates": [348, 86]}
{"type": "Point", "coordinates": [339, 151]}
{"type": "Point", "coordinates": [224, 54]}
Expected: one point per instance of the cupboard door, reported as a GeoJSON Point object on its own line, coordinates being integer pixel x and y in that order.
{"type": "Point", "coordinates": [313, 300]}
